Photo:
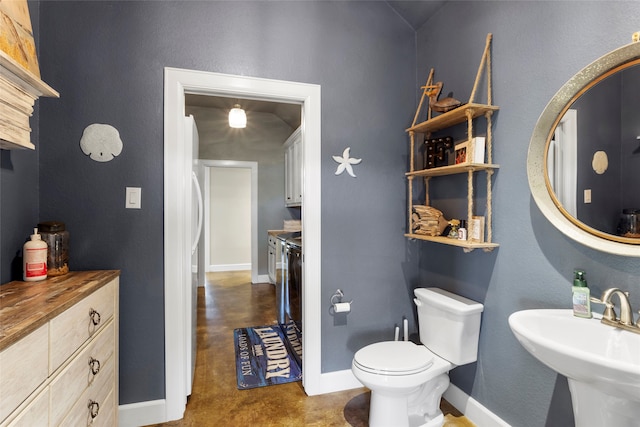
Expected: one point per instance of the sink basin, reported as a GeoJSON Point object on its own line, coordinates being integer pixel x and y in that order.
{"type": "Point", "coordinates": [602, 363]}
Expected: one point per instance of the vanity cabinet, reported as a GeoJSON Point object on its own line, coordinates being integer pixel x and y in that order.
{"type": "Point", "coordinates": [59, 351]}
{"type": "Point", "coordinates": [293, 169]}
{"type": "Point", "coordinates": [466, 113]}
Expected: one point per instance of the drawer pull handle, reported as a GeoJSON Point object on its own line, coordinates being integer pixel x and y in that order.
{"type": "Point", "coordinates": [94, 409]}
{"type": "Point", "coordinates": [95, 317]}
{"type": "Point", "coordinates": [94, 364]}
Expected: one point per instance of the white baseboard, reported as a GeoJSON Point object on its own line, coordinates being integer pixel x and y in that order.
{"type": "Point", "coordinates": [263, 278]}
{"type": "Point", "coordinates": [142, 413]}
{"type": "Point", "coordinates": [472, 409]}
{"type": "Point", "coordinates": [228, 267]}
{"type": "Point", "coordinates": [331, 382]}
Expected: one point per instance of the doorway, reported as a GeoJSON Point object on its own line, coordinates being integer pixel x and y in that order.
{"type": "Point", "coordinates": [219, 170]}
{"type": "Point", "coordinates": [229, 214]}
{"type": "Point", "coordinates": [177, 175]}
{"type": "Point", "coordinates": [261, 142]}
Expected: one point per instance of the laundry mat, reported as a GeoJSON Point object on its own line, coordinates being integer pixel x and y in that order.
{"type": "Point", "coordinates": [263, 357]}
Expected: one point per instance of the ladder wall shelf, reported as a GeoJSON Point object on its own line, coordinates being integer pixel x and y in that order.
{"type": "Point", "coordinates": [468, 113]}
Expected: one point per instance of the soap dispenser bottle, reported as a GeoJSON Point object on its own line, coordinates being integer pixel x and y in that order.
{"type": "Point", "coordinates": [581, 295]}
{"type": "Point", "coordinates": [34, 256]}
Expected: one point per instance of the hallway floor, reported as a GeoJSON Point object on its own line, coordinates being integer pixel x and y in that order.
{"type": "Point", "coordinates": [230, 301]}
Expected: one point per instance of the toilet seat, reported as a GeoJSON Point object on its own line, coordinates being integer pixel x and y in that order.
{"type": "Point", "coordinates": [394, 358]}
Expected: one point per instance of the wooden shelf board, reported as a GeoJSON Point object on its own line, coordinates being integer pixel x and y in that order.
{"type": "Point", "coordinates": [10, 69]}
{"type": "Point", "coordinates": [453, 242]}
{"type": "Point", "coordinates": [453, 169]}
{"type": "Point", "coordinates": [453, 117]}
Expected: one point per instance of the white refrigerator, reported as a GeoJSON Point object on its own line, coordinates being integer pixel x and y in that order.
{"type": "Point", "coordinates": [197, 253]}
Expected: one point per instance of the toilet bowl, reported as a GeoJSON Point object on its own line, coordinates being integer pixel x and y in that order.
{"type": "Point", "coordinates": [410, 370]}
{"type": "Point", "coordinates": [407, 380]}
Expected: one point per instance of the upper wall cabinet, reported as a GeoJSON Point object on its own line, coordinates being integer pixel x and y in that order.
{"type": "Point", "coordinates": [20, 83]}
{"type": "Point", "coordinates": [443, 156]}
{"type": "Point", "coordinates": [293, 169]}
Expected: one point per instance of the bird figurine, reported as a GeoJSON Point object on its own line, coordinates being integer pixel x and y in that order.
{"type": "Point", "coordinates": [442, 105]}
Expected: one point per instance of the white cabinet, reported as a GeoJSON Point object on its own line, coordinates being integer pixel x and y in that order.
{"type": "Point", "coordinates": [293, 169]}
{"type": "Point", "coordinates": [59, 351]}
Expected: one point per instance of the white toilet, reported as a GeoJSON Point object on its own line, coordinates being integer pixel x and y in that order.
{"type": "Point", "coordinates": [407, 380]}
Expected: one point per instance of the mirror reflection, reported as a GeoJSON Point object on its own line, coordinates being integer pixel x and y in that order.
{"type": "Point", "coordinates": [593, 155]}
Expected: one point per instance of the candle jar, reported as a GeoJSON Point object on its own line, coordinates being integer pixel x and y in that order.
{"type": "Point", "coordinates": [57, 238]}
{"type": "Point", "coordinates": [454, 225]}
{"type": "Point", "coordinates": [629, 224]}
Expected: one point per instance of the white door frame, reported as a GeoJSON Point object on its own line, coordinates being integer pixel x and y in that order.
{"type": "Point", "coordinates": [562, 162]}
{"type": "Point", "coordinates": [253, 166]}
{"type": "Point", "coordinates": [177, 82]}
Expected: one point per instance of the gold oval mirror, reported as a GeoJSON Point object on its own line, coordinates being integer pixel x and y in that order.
{"type": "Point", "coordinates": [585, 144]}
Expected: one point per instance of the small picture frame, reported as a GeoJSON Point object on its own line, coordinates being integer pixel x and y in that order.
{"type": "Point", "coordinates": [461, 153]}
{"type": "Point", "coordinates": [476, 229]}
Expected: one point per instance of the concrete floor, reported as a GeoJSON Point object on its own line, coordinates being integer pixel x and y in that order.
{"type": "Point", "coordinates": [230, 301]}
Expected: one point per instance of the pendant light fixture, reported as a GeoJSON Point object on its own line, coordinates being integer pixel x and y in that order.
{"type": "Point", "coordinates": [237, 117]}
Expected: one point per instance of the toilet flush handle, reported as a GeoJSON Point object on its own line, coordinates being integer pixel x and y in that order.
{"type": "Point", "coordinates": [417, 302]}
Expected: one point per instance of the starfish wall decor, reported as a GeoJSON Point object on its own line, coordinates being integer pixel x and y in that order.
{"type": "Point", "coordinates": [345, 162]}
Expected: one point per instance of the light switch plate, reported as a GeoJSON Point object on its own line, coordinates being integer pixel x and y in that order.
{"type": "Point", "coordinates": [133, 198]}
{"type": "Point", "coordinates": [587, 195]}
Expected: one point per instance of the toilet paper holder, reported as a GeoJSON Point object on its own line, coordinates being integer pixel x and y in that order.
{"type": "Point", "coordinates": [338, 305]}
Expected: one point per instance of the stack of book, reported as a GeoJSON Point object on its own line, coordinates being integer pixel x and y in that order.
{"type": "Point", "coordinates": [16, 107]}
{"type": "Point", "coordinates": [18, 72]}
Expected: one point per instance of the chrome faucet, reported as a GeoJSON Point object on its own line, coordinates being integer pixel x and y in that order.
{"type": "Point", "coordinates": [626, 313]}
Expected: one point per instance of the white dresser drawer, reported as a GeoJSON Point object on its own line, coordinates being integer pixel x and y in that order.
{"type": "Point", "coordinates": [48, 338]}
{"type": "Point", "coordinates": [76, 377]}
{"type": "Point", "coordinates": [107, 413]}
{"type": "Point", "coordinates": [72, 328]}
{"type": "Point", "coordinates": [95, 399]}
{"type": "Point", "coordinates": [23, 367]}
{"type": "Point", "coordinates": [36, 413]}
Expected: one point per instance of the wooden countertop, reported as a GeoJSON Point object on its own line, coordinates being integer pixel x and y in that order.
{"type": "Point", "coordinates": [25, 306]}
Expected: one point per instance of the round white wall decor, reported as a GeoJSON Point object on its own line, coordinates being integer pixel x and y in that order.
{"type": "Point", "coordinates": [101, 142]}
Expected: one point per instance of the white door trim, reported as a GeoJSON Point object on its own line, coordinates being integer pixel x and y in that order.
{"type": "Point", "coordinates": [177, 82]}
{"type": "Point", "coordinates": [253, 166]}
{"type": "Point", "coordinates": [562, 161]}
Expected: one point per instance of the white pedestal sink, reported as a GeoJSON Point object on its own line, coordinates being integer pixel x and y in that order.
{"type": "Point", "coordinates": [601, 362]}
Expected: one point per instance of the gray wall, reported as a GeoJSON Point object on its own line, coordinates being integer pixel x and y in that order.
{"type": "Point", "coordinates": [537, 47]}
{"type": "Point", "coordinates": [109, 69]}
{"type": "Point", "coordinates": [106, 59]}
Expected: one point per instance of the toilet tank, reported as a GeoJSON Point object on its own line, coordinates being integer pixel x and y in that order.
{"type": "Point", "coordinates": [449, 324]}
